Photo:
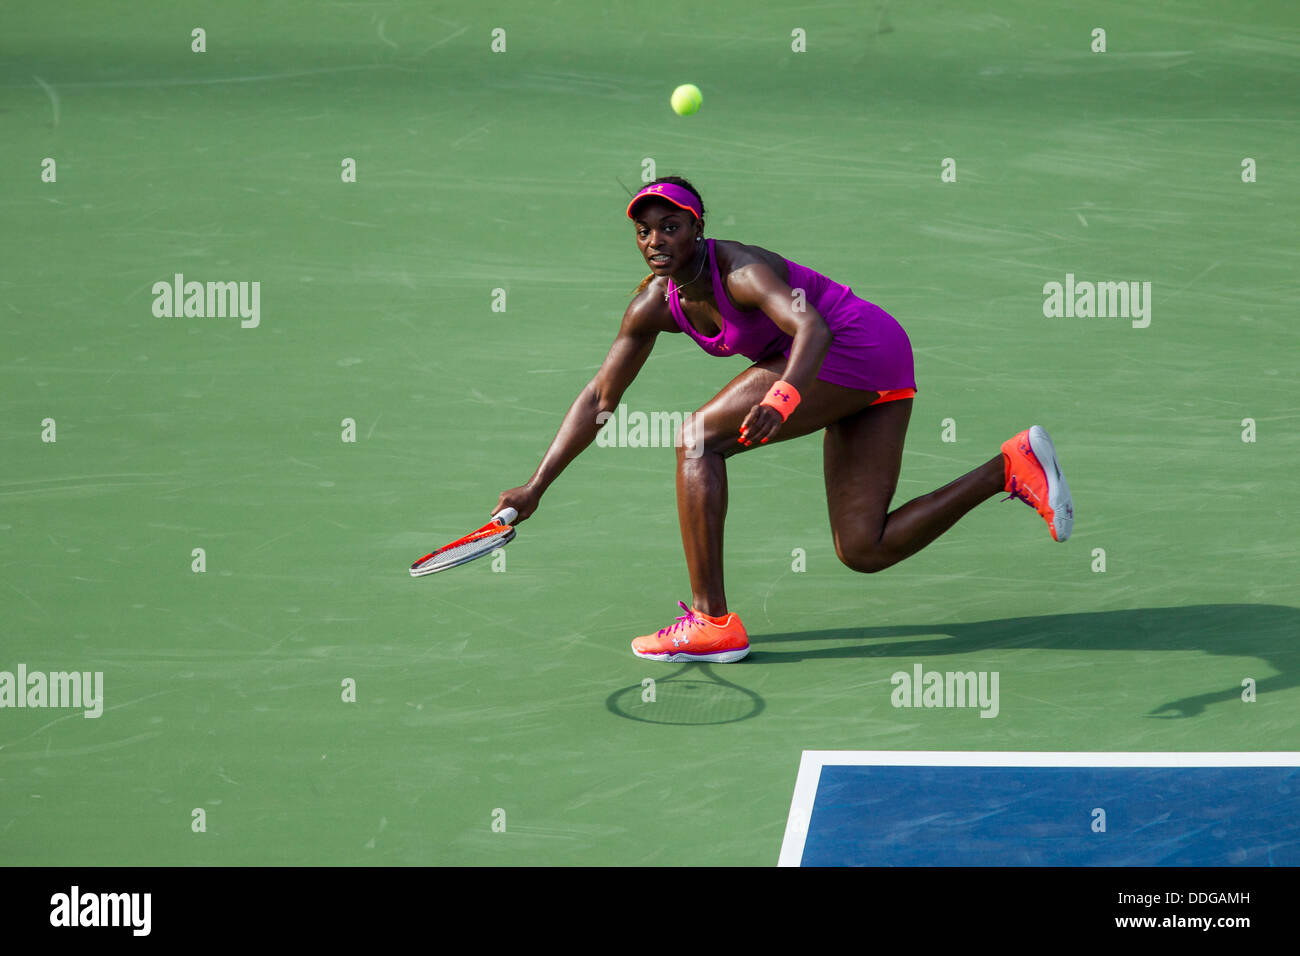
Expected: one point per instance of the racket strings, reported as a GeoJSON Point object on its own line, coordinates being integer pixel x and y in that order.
{"type": "Point", "coordinates": [468, 549]}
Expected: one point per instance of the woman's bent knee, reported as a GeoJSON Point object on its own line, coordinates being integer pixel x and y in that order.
{"type": "Point", "coordinates": [865, 559]}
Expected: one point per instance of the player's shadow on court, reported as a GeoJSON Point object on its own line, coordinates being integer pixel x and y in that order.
{"type": "Point", "coordinates": [1268, 632]}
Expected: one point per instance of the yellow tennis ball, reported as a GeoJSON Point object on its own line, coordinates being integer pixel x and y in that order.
{"type": "Point", "coordinates": [686, 99]}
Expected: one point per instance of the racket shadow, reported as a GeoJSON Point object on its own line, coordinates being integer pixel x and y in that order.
{"type": "Point", "coordinates": [694, 695]}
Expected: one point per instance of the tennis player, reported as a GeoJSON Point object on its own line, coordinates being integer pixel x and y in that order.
{"type": "Point", "coordinates": [824, 360]}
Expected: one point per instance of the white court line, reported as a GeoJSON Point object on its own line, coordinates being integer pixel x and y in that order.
{"type": "Point", "coordinates": [812, 761]}
{"type": "Point", "coordinates": [805, 791]}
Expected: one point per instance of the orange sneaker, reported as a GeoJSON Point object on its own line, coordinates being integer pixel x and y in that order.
{"type": "Point", "coordinates": [695, 637]}
{"type": "Point", "coordinates": [1033, 474]}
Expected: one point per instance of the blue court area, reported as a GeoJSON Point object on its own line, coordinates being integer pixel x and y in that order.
{"type": "Point", "coordinates": [875, 813]}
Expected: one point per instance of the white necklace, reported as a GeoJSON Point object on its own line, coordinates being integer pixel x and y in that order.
{"type": "Point", "coordinates": [693, 278]}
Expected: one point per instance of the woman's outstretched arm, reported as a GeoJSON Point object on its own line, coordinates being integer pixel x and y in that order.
{"type": "Point", "coordinates": [642, 322]}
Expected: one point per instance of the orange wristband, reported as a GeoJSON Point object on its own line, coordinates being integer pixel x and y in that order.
{"type": "Point", "coordinates": [782, 396]}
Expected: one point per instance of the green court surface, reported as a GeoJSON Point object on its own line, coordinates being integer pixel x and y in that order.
{"type": "Point", "coordinates": [509, 696]}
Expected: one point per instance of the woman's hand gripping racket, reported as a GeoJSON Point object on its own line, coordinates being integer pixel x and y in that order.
{"type": "Point", "coordinates": [485, 540]}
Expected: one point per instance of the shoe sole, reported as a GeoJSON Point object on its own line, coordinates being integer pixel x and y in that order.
{"type": "Point", "coordinates": [1058, 490]}
{"type": "Point", "coordinates": [682, 657]}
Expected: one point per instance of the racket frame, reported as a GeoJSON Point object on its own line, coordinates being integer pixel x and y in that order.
{"type": "Point", "coordinates": [504, 517]}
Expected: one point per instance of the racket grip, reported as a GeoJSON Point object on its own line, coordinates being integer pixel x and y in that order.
{"type": "Point", "coordinates": [506, 516]}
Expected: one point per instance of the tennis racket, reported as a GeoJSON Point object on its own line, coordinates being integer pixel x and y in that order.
{"type": "Point", "coordinates": [485, 540]}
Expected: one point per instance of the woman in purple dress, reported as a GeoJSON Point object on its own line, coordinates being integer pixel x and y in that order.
{"type": "Point", "coordinates": [823, 359]}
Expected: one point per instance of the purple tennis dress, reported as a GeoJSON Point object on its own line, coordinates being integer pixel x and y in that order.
{"type": "Point", "coordinates": [869, 349]}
